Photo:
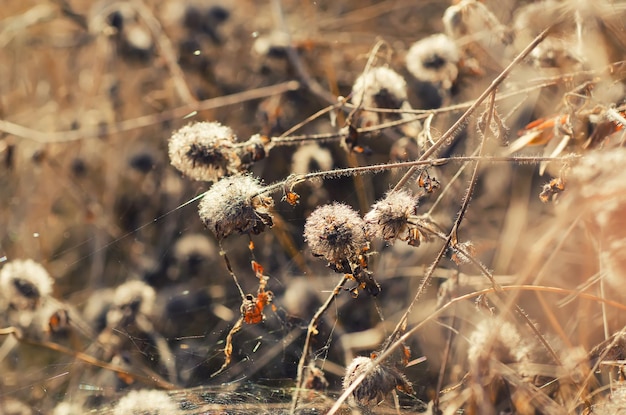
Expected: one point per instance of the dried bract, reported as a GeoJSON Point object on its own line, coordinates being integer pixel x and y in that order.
{"type": "Point", "coordinates": [388, 217]}
{"type": "Point", "coordinates": [204, 151]}
{"type": "Point", "coordinates": [434, 59]}
{"type": "Point", "coordinates": [378, 384]}
{"type": "Point", "coordinates": [234, 205]}
{"type": "Point", "coordinates": [336, 232]}
{"type": "Point", "coordinates": [23, 283]}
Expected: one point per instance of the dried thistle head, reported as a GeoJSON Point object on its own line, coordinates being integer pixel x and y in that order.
{"type": "Point", "coordinates": [336, 233]}
{"type": "Point", "coordinates": [146, 402]}
{"type": "Point", "coordinates": [389, 216]}
{"type": "Point", "coordinates": [130, 299]}
{"type": "Point", "coordinates": [375, 386]}
{"type": "Point", "coordinates": [495, 339]}
{"type": "Point", "coordinates": [24, 283]}
{"type": "Point", "coordinates": [380, 87]}
{"type": "Point", "coordinates": [434, 59]}
{"type": "Point", "coordinates": [234, 204]}
{"type": "Point", "coordinates": [204, 151]}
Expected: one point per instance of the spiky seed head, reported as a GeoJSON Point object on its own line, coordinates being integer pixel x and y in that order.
{"type": "Point", "coordinates": [434, 59]}
{"type": "Point", "coordinates": [23, 283]}
{"type": "Point", "coordinates": [389, 216]}
{"type": "Point", "coordinates": [311, 157]}
{"type": "Point", "coordinates": [336, 232]}
{"type": "Point", "coordinates": [380, 87]}
{"type": "Point", "coordinates": [234, 204]}
{"type": "Point", "coordinates": [375, 386]}
{"type": "Point", "coordinates": [204, 151]}
{"type": "Point", "coordinates": [146, 402]}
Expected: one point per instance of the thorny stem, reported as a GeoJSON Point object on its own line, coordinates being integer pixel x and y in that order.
{"type": "Point", "coordinates": [230, 270]}
{"type": "Point", "coordinates": [379, 168]}
{"type": "Point", "coordinates": [452, 131]}
{"type": "Point", "coordinates": [311, 330]}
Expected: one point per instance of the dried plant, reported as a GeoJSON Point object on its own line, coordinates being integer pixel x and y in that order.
{"type": "Point", "coordinates": [400, 209]}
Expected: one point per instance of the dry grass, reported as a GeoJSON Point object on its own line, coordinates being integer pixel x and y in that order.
{"type": "Point", "coordinates": [486, 279]}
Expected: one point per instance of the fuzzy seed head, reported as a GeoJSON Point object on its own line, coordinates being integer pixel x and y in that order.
{"type": "Point", "coordinates": [434, 59]}
{"type": "Point", "coordinates": [146, 402]}
{"type": "Point", "coordinates": [204, 151]}
{"type": "Point", "coordinates": [24, 283]}
{"type": "Point", "coordinates": [378, 384]}
{"type": "Point", "coordinates": [336, 232]}
{"type": "Point", "coordinates": [388, 217]}
{"type": "Point", "coordinates": [234, 205]}
{"type": "Point", "coordinates": [379, 87]}
{"type": "Point", "coordinates": [135, 297]}
{"type": "Point", "coordinates": [499, 340]}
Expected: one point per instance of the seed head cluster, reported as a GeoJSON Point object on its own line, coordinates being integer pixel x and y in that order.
{"type": "Point", "coordinates": [375, 386]}
{"type": "Point", "coordinates": [204, 151]}
{"type": "Point", "coordinates": [336, 232]}
{"type": "Point", "coordinates": [388, 217]}
{"type": "Point", "coordinates": [234, 204]}
{"type": "Point", "coordinates": [24, 283]}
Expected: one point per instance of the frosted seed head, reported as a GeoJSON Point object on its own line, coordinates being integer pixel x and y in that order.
{"type": "Point", "coordinates": [377, 385]}
{"type": "Point", "coordinates": [146, 402]}
{"type": "Point", "coordinates": [336, 232]}
{"type": "Point", "coordinates": [434, 59]}
{"type": "Point", "coordinates": [379, 87]}
{"type": "Point", "coordinates": [388, 217]}
{"type": "Point", "coordinates": [204, 151]}
{"type": "Point", "coordinates": [234, 205]}
{"type": "Point", "coordinates": [23, 283]}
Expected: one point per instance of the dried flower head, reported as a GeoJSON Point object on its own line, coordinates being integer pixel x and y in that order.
{"type": "Point", "coordinates": [388, 217]}
{"type": "Point", "coordinates": [146, 402]}
{"type": "Point", "coordinates": [23, 283]}
{"type": "Point", "coordinates": [204, 151]}
{"type": "Point", "coordinates": [234, 204]}
{"type": "Point", "coordinates": [193, 248]}
{"type": "Point", "coordinates": [499, 340]}
{"type": "Point", "coordinates": [336, 232]}
{"type": "Point", "coordinates": [379, 87]}
{"type": "Point", "coordinates": [130, 299]}
{"type": "Point", "coordinates": [378, 384]}
{"type": "Point", "coordinates": [434, 59]}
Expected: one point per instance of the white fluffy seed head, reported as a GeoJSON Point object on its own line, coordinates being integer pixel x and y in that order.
{"type": "Point", "coordinates": [135, 297]}
{"type": "Point", "coordinates": [24, 283]}
{"type": "Point", "coordinates": [234, 204]}
{"type": "Point", "coordinates": [388, 217]}
{"type": "Point", "coordinates": [379, 87]}
{"type": "Point", "coordinates": [375, 386]}
{"type": "Point", "coordinates": [146, 402]}
{"type": "Point", "coordinates": [434, 59]}
{"type": "Point", "coordinates": [204, 151]}
{"type": "Point", "coordinates": [496, 339]}
{"type": "Point", "coordinates": [336, 232]}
